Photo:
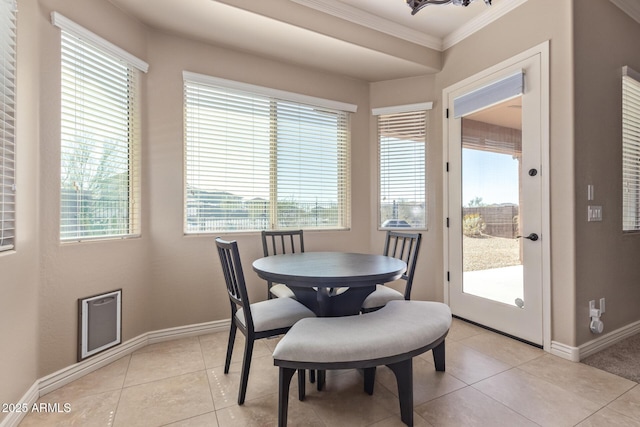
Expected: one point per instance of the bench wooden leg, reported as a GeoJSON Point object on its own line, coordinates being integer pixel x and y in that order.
{"type": "Point", "coordinates": [404, 376]}
{"type": "Point", "coordinates": [320, 379]}
{"type": "Point", "coordinates": [438, 357]}
{"type": "Point", "coordinates": [312, 376]}
{"type": "Point", "coordinates": [369, 380]}
{"type": "Point", "coordinates": [301, 384]}
{"type": "Point", "coordinates": [284, 382]}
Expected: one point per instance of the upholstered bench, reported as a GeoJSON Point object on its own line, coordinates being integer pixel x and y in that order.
{"type": "Point", "coordinates": [391, 336]}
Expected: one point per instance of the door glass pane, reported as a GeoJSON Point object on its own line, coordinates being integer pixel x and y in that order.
{"type": "Point", "coordinates": [492, 202]}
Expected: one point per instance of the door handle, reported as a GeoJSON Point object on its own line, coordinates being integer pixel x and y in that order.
{"type": "Point", "coordinates": [533, 237]}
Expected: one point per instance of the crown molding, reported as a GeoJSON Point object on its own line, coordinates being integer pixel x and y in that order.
{"type": "Point", "coordinates": [369, 20]}
{"type": "Point", "coordinates": [630, 7]}
{"type": "Point", "coordinates": [492, 14]}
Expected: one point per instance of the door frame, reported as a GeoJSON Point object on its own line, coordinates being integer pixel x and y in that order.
{"type": "Point", "coordinates": [542, 50]}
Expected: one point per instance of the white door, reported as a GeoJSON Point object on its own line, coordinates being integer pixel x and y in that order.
{"type": "Point", "coordinates": [496, 199]}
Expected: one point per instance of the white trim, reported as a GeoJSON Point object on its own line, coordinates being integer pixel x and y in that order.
{"type": "Point", "coordinates": [492, 14]}
{"type": "Point", "coordinates": [565, 351]}
{"type": "Point", "coordinates": [630, 72]}
{"type": "Point", "coordinates": [630, 7]}
{"type": "Point", "coordinates": [375, 22]}
{"type": "Point", "coordinates": [73, 372]}
{"type": "Point", "coordinates": [13, 419]}
{"type": "Point", "coordinates": [545, 156]}
{"type": "Point", "coordinates": [266, 91]}
{"type": "Point", "coordinates": [576, 354]}
{"type": "Point", "coordinates": [609, 339]}
{"type": "Point", "coordinates": [366, 19]}
{"type": "Point", "coordinates": [397, 109]}
{"type": "Point", "coordinates": [542, 50]}
{"type": "Point", "coordinates": [79, 31]}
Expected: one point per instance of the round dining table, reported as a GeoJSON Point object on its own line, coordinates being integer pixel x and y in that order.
{"type": "Point", "coordinates": [314, 276]}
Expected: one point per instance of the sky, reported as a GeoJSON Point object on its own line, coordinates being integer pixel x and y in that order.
{"type": "Point", "coordinates": [491, 176]}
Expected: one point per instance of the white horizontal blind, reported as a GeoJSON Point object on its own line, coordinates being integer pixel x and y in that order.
{"type": "Point", "coordinates": [254, 162]}
{"type": "Point", "coordinates": [7, 124]}
{"type": "Point", "coordinates": [99, 194]}
{"type": "Point", "coordinates": [630, 152]}
{"type": "Point", "coordinates": [402, 157]}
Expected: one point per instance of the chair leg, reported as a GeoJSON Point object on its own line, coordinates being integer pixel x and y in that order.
{"type": "Point", "coordinates": [232, 338]}
{"type": "Point", "coordinates": [404, 376]}
{"type": "Point", "coordinates": [312, 376]}
{"type": "Point", "coordinates": [369, 380]}
{"type": "Point", "coordinates": [246, 365]}
{"type": "Point", "coordinates": [301, 384]}
{"type": "Point", "coordinates": [284, 381]}
{"type": "Point", "coordinates": [438, 357]}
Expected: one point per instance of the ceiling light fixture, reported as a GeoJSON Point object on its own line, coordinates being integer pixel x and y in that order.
{"type": "Point", "coordinates": [416, 5]}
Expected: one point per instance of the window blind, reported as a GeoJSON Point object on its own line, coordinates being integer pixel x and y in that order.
{"type": "Point", "coordinates": [99, 193]}
{"type": "Point", "coordinates": [494, 93]}
{"type": "Point", "coordinates": [402, 156]}
{"type": "Point", "coordinates": [630, 150]}
{"type": "Point", "coordinates": [7, 124]}
{"type": "Point", "coordinates": [255, 162]}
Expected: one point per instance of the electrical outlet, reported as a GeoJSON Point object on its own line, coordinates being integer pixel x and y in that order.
{"type": "Point", "coordinates": [594, 213]}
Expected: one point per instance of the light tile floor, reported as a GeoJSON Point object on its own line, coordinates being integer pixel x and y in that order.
{"type": "Point", "coordinates": [490, 380]}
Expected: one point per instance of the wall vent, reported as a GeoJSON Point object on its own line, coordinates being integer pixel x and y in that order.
{"type": "Point", "coordinates": [99, 323]}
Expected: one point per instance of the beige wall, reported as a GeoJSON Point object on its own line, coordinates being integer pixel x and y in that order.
{"type": "Point", "coordinates": [167, 279]}
{"type": "Point", "coordinates": [185, 272]}
{"type": "Point", "coordinates": [71, 271]}
{"type": "Point", "coordinates": [172, 280]}
{"type": "Point", "coordinates": [529, 25]}
{"type": "Point", "coordinates": [606, 258]}
{"type": "Point", "coordinates": [427, 284]}
{"type": "Point", "coordinates": [19, 283]}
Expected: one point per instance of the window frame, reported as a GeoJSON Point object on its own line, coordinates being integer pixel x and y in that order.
{"type": "Point", "coordinates": [630, 147]}
{"type": "Point", "coordinates": [395, 113]}
{"type": "Point", "coordinates": [124, 81]}
{"type": "Point", "coordinates": [286, 102]}
{"type": "Point", "coordinates": [8, 143]}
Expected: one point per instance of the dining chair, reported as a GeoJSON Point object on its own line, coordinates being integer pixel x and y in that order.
{"type": "Point", "coordinates": [277, 243]}
{"type": "Point", "coordinates": [404, 246]}
{"type": "Point", "coordinates": [258, 320]}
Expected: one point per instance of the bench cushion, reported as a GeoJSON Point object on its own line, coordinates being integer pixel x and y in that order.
{"type": "Point", "coordinates": [397, 328]}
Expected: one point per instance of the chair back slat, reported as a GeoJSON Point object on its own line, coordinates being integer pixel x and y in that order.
{"type": "Point", "coordinates": [282, 242]}
{"type": "Point", "coordinates": [234, 278]}
{"type": "Point", "coordinates": [404, 246]}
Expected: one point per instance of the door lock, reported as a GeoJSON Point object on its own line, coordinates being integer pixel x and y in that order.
{"type": "Point", "coordinates": [533, 237]}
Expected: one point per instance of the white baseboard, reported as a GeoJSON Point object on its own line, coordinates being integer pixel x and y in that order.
{"type": "Point", "coordinates": [608, 339]}
{"type": "Point", "coordinates": [73, 372]}
{"type": "Point", "coordinates": [576, 354]}
{"type": "Point", "coordinates": [565, 351]}
{"type": "Point", "coordinates": [30, 397]}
